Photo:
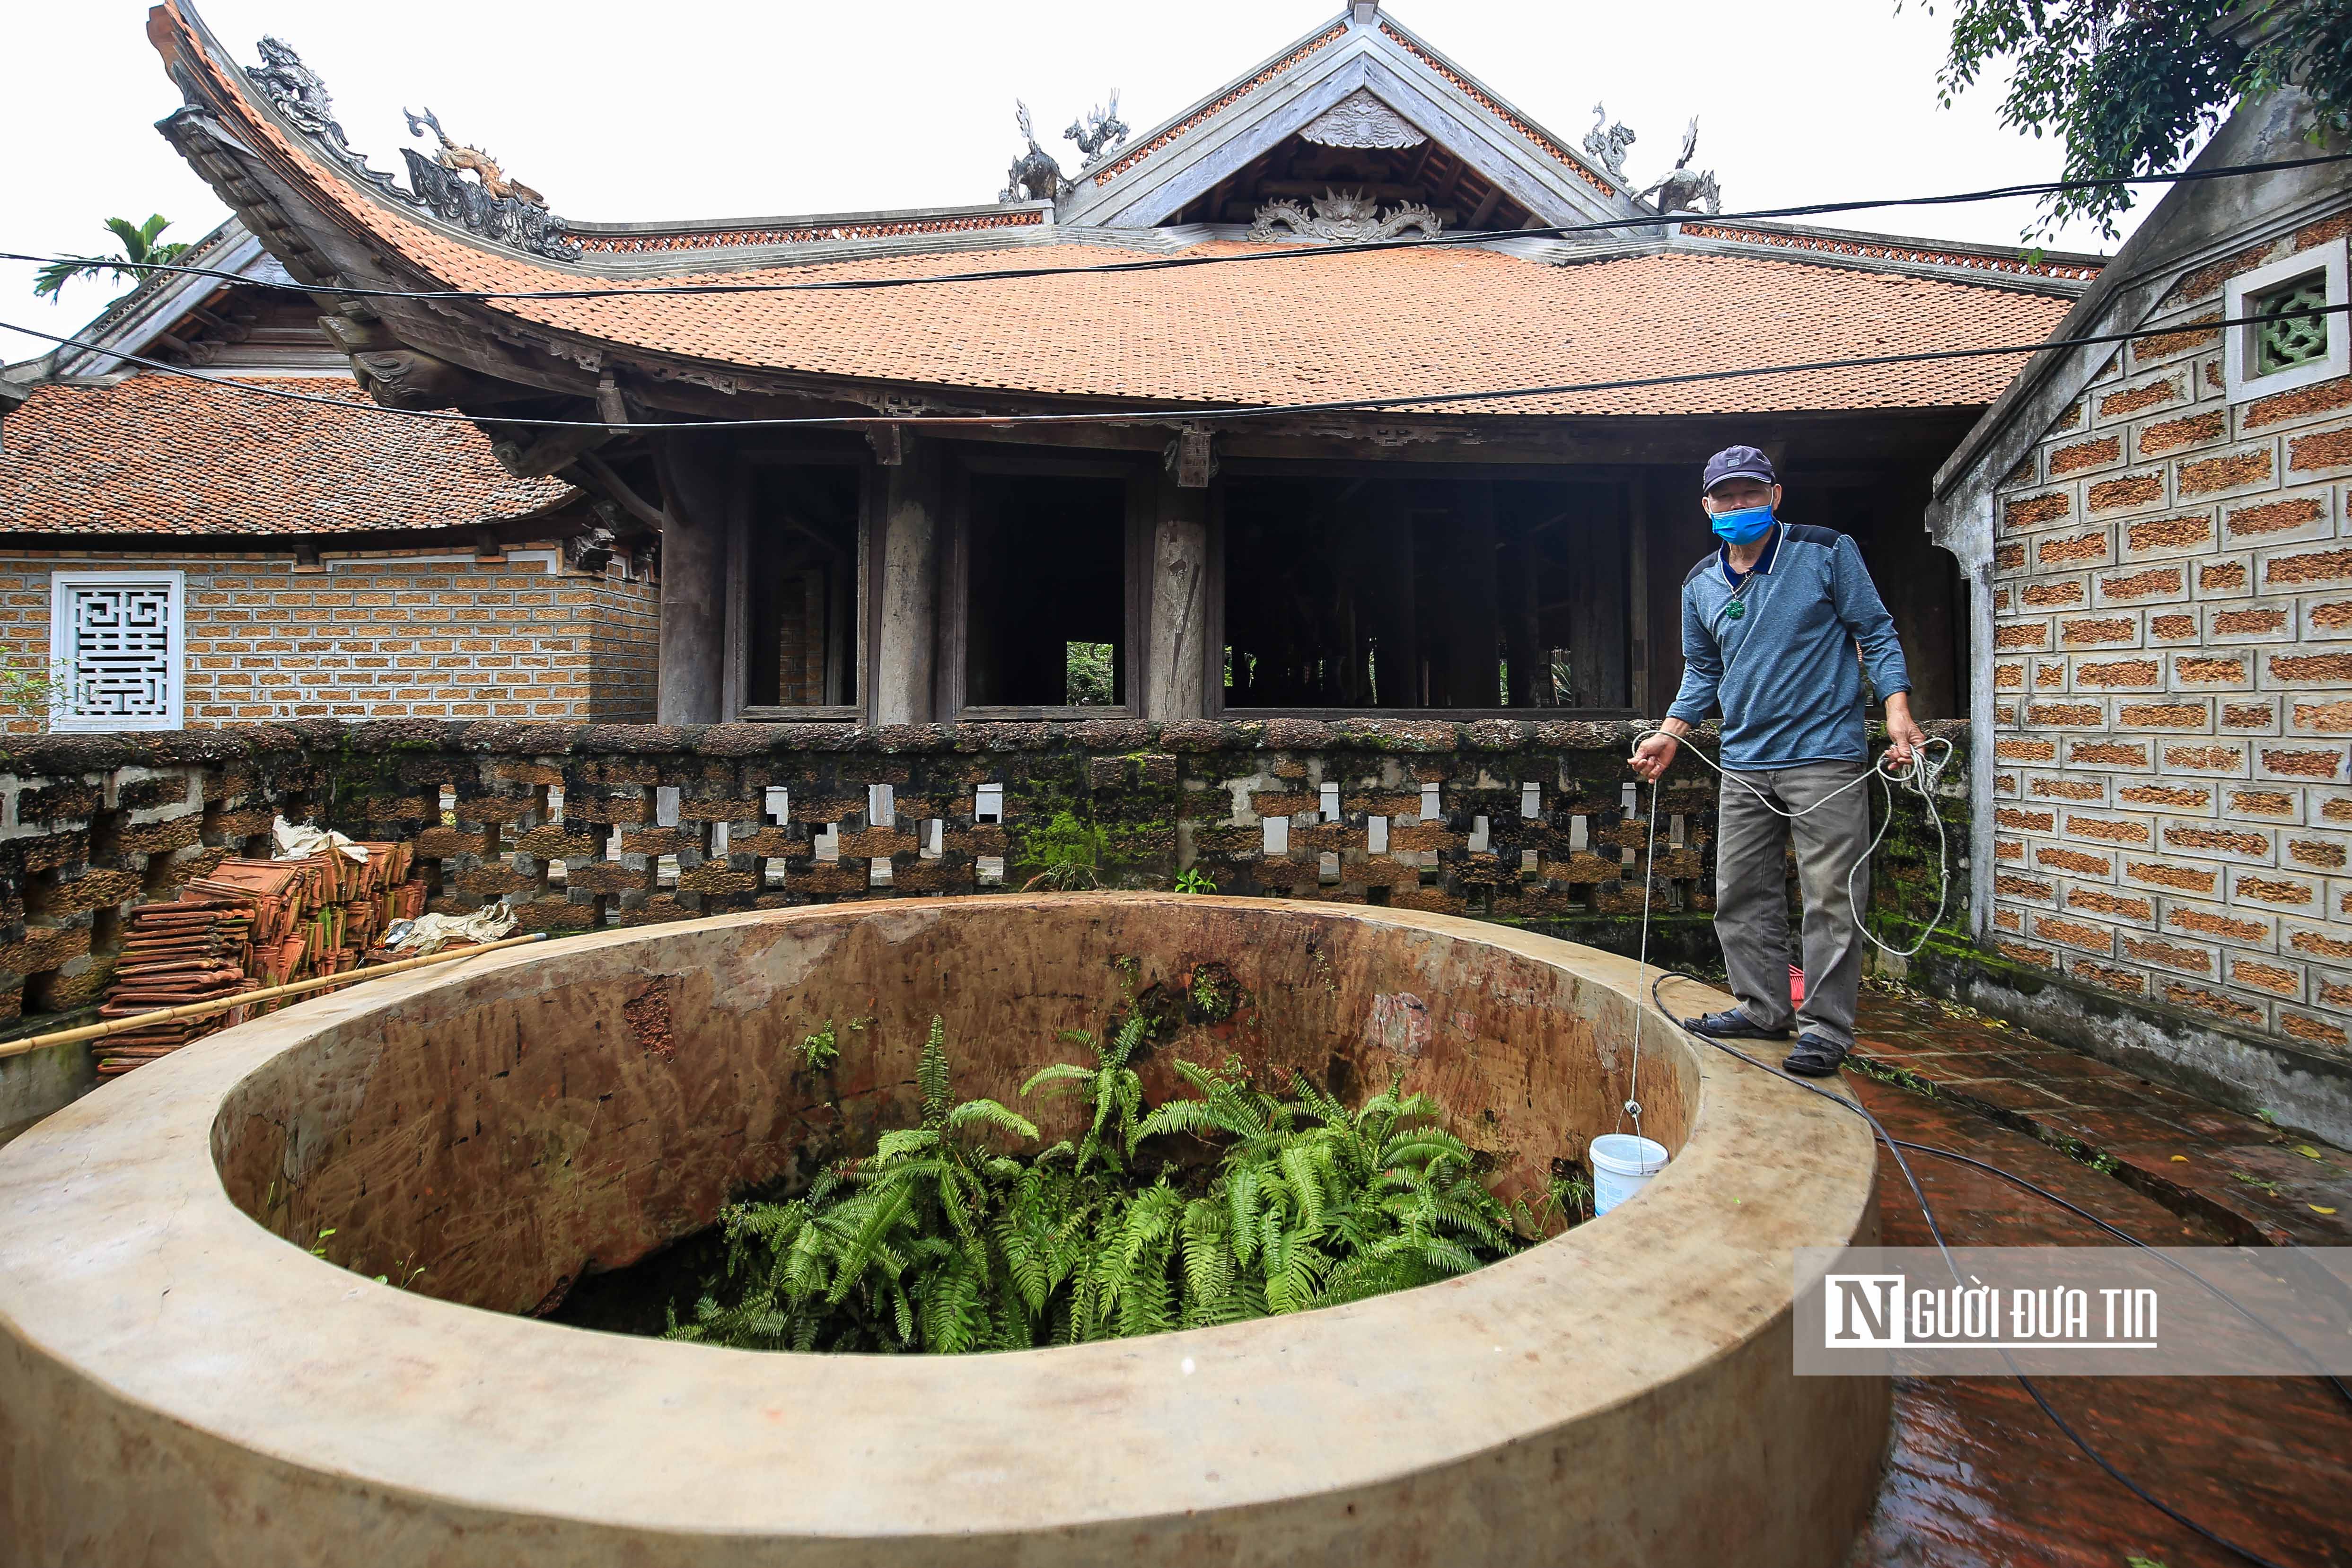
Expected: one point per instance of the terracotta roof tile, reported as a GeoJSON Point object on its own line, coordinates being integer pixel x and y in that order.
{"type": "Point", "coordinates": [1368, 325]}
{"type": "Point", "coordinates": [1321, 327]}
{"type": "Point", "coordinates": [162, 454]}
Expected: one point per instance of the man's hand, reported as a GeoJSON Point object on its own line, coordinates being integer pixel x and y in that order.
{"type": "Point", "coordinates": [1657, 752]}
{"type": "Point", "coordinates": [1904, 734]}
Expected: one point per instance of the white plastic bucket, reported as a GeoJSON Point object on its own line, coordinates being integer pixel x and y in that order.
{"type": "Point", "coordinates": [1623, 1165]}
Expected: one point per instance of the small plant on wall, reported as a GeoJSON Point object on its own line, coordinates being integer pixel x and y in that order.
{"type": "Point", "coordinates": [27, 685]}
{"type": "Point", "coordinates": [1070, 851]}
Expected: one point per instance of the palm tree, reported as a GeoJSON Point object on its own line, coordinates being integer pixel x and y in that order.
{"type": "Point", "coordinates": [139, 246]}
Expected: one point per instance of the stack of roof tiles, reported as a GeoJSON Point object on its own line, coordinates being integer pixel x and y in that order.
{"type": "Point", "coordinates": [194, 950]}
{"type": "Point", "coordinates": [246, 925]}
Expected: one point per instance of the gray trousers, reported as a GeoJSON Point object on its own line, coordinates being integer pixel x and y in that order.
{"type": "Point", "coordinates": [1751, 908]}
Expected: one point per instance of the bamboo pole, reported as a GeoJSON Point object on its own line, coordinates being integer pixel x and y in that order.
{"type": "Point", "coordinates": [247, 999]}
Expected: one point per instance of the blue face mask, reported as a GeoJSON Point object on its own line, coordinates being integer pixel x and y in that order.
{"type": "Point", "coordinates": [1743, 527]}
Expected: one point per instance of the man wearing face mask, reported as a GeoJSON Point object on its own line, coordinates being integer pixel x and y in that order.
{"type": "Point", "coordinates": [1771, 624]}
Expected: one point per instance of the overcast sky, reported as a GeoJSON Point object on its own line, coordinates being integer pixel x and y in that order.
{"type": "Point", "coordinates": [721, 109]}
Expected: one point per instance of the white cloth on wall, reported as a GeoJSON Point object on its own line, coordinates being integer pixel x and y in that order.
{"type": "Point", "coordinates": [299, 842]}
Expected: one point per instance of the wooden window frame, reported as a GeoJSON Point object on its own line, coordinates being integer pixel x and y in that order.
{"type": "Point", "coordinates": [738, 667]}
{"type": "Point", "coordinates": [969, 460]}
{"type": "Point", "coordinates": [1214, 704]}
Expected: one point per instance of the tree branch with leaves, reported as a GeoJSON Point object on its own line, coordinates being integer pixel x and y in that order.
{"type": "Point", "coordinates": [2131, 87]}
{"type": "Point", "coordinates": [142, 247]}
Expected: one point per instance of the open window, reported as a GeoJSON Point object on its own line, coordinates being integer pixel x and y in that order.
{"type": "Point", "coordinates": [2285, 343]}
{"type": "Point", "coordinates": [800, 591]}
{"type": "Point", "coordinates": [1442, 594]}
{"type": "Point", "coordinates": [1046, 612]}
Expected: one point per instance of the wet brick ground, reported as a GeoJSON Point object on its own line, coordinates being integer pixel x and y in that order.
{"type": "Point", "coordinates": [1978, 1476]}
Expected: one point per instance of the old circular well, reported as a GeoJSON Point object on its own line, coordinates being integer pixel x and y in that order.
{"type": "Point", "coordinates": [180, 1384]}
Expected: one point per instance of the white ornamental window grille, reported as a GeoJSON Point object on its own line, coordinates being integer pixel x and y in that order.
{"type": "Point", "coordinates": [116, 650]}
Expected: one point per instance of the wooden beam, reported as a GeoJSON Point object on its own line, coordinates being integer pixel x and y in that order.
{"type": "Point", "coordinates": [620, 490]}
{"type": "Point", "coordinates": [1638, 633]}
{"type": "Point", "coordinates": [535, 457]}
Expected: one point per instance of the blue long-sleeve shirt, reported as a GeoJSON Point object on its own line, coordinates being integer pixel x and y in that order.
{"type": "Point", "coordinates": [1775, 649]}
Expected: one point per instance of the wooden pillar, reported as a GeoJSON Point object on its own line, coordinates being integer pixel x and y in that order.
{"type": "Point", "coordinates": [1633, 502]}
{"type": "Point", "coordinates": [1176, 660]}
{"type": "Point", "coordinates": [1600, 544]}
{"type": "Point", "coordinates": [1677, 536]}
{"type": "Point", "coordinates": [1530, 659]}
{"type": "Point", "coordinates": [689, 679]}
{"type": "Point", "coordinates": [1383, 521]}
{"type": "Point", "coordinates": [1470, 640]}
{"type": "Point", "coordinates": [906, 607]}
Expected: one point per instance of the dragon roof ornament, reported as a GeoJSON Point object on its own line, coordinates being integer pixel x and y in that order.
{"type": "Point", "coordinates": [1606, 143]}
{"type": "Point", "coordinates": [490, 206]}
{"type": "Point", "coordinates": [1037, 176]}
{"type": "Point", "coordinates": [1098, 132]}
{"type": "Point", "coordinates": [1685, 189]}
{"type": "Point", "coordinates": [1342, 217]}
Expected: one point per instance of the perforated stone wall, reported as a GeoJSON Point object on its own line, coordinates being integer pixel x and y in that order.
{"type": "Point", "coordinates": [584, 826]}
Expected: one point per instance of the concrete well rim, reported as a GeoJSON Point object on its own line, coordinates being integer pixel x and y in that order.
{"type": "Point", "coordinates": [152, 1130]}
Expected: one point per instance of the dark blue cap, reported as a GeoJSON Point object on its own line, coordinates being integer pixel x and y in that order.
{"type": "Point", "coordinates": [1737, 463]}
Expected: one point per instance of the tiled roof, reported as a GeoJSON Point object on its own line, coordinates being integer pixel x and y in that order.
{"type": "Point", "coordinates": [1308, 328]}
{"type": "Point", "coordinates": [162, 455]}
{"type": "Point", "coordinates": [1372, 325]}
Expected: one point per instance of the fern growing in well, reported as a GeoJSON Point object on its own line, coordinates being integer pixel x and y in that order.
{"type": "Point", "coordinates": [942, 1241]}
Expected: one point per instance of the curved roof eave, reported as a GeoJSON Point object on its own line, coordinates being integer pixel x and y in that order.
{"type": "Point", "coordinates": [1175, 340]}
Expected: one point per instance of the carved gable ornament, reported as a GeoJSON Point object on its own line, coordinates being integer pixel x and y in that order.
{"type": "Point", "coordinates": [1359, 119]}
{"type": "Point", "coordinates": [1342, 217]}
{"type": "Point", "coordinates": [489, 205]}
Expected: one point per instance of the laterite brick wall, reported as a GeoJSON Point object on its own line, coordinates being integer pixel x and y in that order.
{"type": "Point", "coordinates": [2173, 670]}
{"type": "Point", "coordinates": [378, 637]}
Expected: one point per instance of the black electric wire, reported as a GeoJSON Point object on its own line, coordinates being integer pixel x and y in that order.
{"type": "Point", "coordinates": [1171, 263]}
{"type": "Point", "coordinates": [1193, 415]}
{"type": "Point", "coordinates": [1935, 1230]}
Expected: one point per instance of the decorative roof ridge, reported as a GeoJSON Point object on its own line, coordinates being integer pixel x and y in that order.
{"type": "Point", "coordinates": [1186, 120]}
{"type": "Point", "coordinates": [210, 76]}
{"type": "Point", "coordinates": [1429, 55]}
{"type": "Point", "coordinates": [640, 239]}
{"type": "Point", "coordinates": [287, 98]}
{"type": "Point", "coordinates": [1862, 246]}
